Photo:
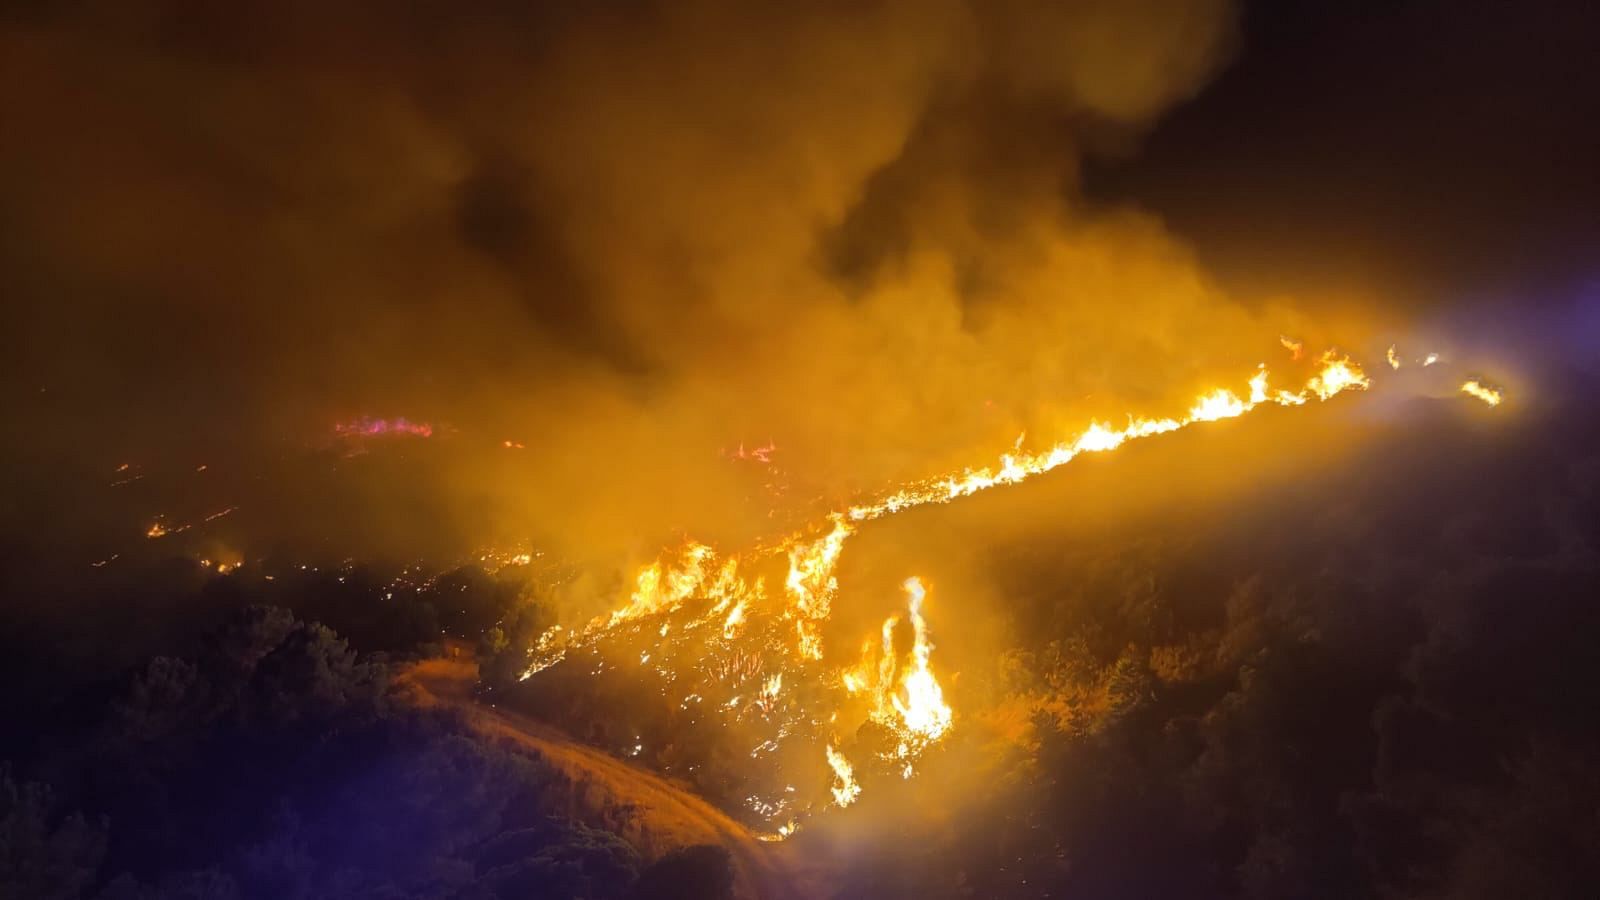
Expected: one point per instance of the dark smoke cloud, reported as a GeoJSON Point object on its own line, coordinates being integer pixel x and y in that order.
{"type": "Point", "coordinates": [629, 235]}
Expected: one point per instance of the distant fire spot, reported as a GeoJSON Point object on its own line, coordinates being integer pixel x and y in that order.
{"type": "Point", "coordinates": [369, 427]}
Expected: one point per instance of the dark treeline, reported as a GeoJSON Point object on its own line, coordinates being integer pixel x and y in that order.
{"type": "Point", "coordinates": [269, 758]}
{"type": "Point", "coordinates": [68, 636]}
{"type": "Point", "coordinates": [276, 764]}
{"type": "Point", "coordinates": [1383, 684]}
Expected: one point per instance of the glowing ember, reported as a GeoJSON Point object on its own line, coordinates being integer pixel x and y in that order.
{"type": "Point", "coordinates": [367, 426]}
{"type": "Point", "coordinates": [1475, 388]}
{"type": "Point", "coordinates": [761, 454]}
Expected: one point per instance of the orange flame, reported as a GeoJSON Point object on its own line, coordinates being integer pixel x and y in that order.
{"type": "Point", "coordinates": [1474, 387]}
{"type": "Point", "coordinates": [902, 694]}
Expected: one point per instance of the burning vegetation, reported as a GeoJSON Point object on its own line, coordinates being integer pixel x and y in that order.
{"type": "Point", "coordinates": [667, 373]}
{"type": "Point", "coordinates": [736, 641]}
{"type": "Point", "coordinates": [790, 712]}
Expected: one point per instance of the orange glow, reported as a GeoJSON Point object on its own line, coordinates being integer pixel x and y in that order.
{"type": "Point", "coordinates": [1338, 374]}
{"type": "Point", "coordinates": [1475, 388]}
{"type": "Point", "coordinates": [845, 790]}
{"type": "Point", "coordinates": [720, 609]}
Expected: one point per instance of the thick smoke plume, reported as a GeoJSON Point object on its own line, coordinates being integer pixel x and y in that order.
{"type": "Point", "coordinates": [631, 237]}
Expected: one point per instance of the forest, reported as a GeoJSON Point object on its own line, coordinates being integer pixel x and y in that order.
{"type": "Point", "coordinates": [1376, 684]}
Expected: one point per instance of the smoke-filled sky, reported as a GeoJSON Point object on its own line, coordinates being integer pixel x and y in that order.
{"type": "Point", "coordinates": [632, 237]}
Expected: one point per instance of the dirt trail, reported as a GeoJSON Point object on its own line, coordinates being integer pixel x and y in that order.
{"type": "Point", "coordinates": [645, 809]}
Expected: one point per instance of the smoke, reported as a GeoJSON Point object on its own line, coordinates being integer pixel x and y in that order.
{"type": "Point", "coordinates": [630, 236]}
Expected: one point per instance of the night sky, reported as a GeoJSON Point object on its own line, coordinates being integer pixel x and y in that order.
{"type": "Point", "coordinates": [1427, 153]}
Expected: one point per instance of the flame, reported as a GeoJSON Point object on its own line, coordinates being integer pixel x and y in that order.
{"type": "Point", "coordinates": [903, 696]}
{"type": "Point", "coordinates": [811, 583]}
{"type": "Point", "coordinates": [845, 790]}
{"type": "Point", "coordinates": [779, 640]}
{"type": "Point", "coordinates": [1338, 374]}
{"type": "Point", "coordinates": [1394, 361]}
{"type": "Point", "coordinates": [1258, 385]}
{"type": "Point", "coordinates": [1219, 404]}
{"type": "Point", "coordinates": [1476, 388]}
{"type": "Point", "coordinates": [1430, 359]}
{"type": "Point", "coordinates": [658, 589]}
{"type": "Point", "coordinates": [923, 712]}
{"type": "Point", "coordinates": [730, 626]}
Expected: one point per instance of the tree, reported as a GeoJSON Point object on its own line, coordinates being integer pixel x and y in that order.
{"type": "Point", "coordinates": [700, 872]}
{"type": "Point", "coordinates": [44, 856]}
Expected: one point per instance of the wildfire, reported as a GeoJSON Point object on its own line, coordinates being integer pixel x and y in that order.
{"type": "Point", "coordinates": [368, 426]}
{"type": "Point", "coordinates": [1338, 374]}
{"type": "Point", "coordinates": [923, 711]}
{"type": "Point", "coordinates": [761, 454]}
{"type": "Point", "coordinates": [811, 583]}
{"type": "Point", "coordinates": [845, 790]}
{"type": "Point", "coordinates": [1475, 388]}
{"type": "Point", "coordinates": [659, 589]}
{"type": "Point", "coordinates": [1219, 404]}
{"type": "Point", "coordinates": [780, 636]}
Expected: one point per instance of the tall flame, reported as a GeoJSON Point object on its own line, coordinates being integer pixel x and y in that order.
{"type": "Point", "coordinates": [845, 790]}
{"type": "Point", "coordinates": [660, 589]}
{"type": "Point", "coordinates": [923, 711]}
{"type": "Point", "coordinates": [811, 583]}
{"type": "Point", "coordinates": [903, 696]}
{"type": "Point", "coordinates": [782, 645]}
